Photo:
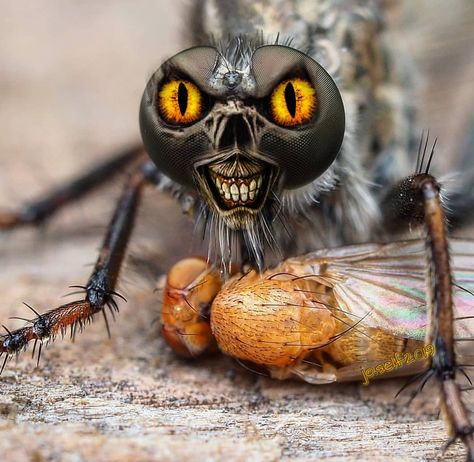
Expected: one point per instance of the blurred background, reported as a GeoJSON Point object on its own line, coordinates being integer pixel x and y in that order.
{"type": "Point", "coordinates": [71, 78]}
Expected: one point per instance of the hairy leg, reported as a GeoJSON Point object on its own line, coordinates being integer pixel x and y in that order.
{"type": "Point", "coordinates": [415, 200]}
{"type": "Point", "coordinates": [441, 328]}
{"type": "Point", "coordinates": [38, 211]}
{"type": "Point", "coordinates": [100, 289]}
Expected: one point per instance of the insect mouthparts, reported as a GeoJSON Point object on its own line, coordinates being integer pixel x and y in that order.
{"type": "Point", "coordinates": [237, 191]}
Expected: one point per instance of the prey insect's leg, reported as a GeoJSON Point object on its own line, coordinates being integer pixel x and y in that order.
{"type": "Point", "coordinates": [43, 208]}
{"type": "Point", "coordinates": [100, 289]}
{"type": "Point", "coordinates": [441, 327]}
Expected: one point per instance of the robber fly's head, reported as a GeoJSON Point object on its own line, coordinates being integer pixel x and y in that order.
{"type": "Point", "coordinates": [242, 130]}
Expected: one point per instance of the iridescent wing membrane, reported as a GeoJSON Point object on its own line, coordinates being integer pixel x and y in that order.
{"type": "Point", "coordinates": [331, 314]}
{"type": "Point", "coordinates": [386, 284]}
{"type": "Point", "coordinates": [382, 288]}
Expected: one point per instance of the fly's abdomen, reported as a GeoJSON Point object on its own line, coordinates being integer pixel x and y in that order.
{"type": "Point", "coordinates": [275, 322]}
{"type": "Point", "coordinates": [294, 326]}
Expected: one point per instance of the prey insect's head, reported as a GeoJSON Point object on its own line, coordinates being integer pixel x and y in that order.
{"type": "Point", "coordinates": [242, 127]}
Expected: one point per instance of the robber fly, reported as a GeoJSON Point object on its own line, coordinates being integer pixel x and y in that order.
{"type": "Point", "coordinates": [277, 139]}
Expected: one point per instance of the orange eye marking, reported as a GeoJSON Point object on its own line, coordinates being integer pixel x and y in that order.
{"type": "Point", "coordinates": [293, 102]}
{"type": "Point", "coordinates": [180, 102]}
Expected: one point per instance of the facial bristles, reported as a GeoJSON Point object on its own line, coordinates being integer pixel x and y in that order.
{"type": "Point", "coordinates": [237, 191]}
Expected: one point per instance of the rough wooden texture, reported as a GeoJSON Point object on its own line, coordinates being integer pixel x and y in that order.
{"type": "Point", "coordinates": [70, 80]}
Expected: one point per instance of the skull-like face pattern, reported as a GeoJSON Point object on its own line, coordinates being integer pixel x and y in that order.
{"type": "Point", "coordinates": [242, 131]}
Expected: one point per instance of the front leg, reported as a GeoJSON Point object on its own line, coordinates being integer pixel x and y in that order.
{"type": "Point", "coordinates": [100, 289]}
{"type": "Point", "coordinates": [416, 200]}
{"type": "Point", "coordinates": [441, 328]}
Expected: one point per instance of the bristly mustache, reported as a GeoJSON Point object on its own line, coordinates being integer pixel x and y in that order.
{"type": "Point", "coordinates": [247, 246]}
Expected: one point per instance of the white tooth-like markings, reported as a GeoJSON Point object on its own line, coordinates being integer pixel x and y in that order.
{"type": "Point", "coordinates": [238, 193]}
{"type": "Point", "coordinates": [234, 190]}
{"type": "Point", "coordinates": [225, 191]}
{"type": "Point", "coordinates": [244, 192]}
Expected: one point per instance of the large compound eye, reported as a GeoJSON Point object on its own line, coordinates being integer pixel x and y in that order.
{"type": "Point", "coordinates": [173, 110]}
{"type": "Point", "coordinates": [306, 110]}
{"type": "Point", "coordinates": [180, 102]}
{"type": "Point", "coordinates": [293, 102]}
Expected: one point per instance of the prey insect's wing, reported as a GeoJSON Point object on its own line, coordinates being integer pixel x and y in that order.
{"type": "Point", "coordinates": [385, 285]}
{"type": "Point", "coordinates": [379, 292]}
{"type": "Point", "coordinates": [327, 315]}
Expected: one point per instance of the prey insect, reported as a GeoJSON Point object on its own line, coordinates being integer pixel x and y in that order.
{"type": "Point", "coordinates": [277, 152]}
{"type": "Point", "coordinates": [321, 317]}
